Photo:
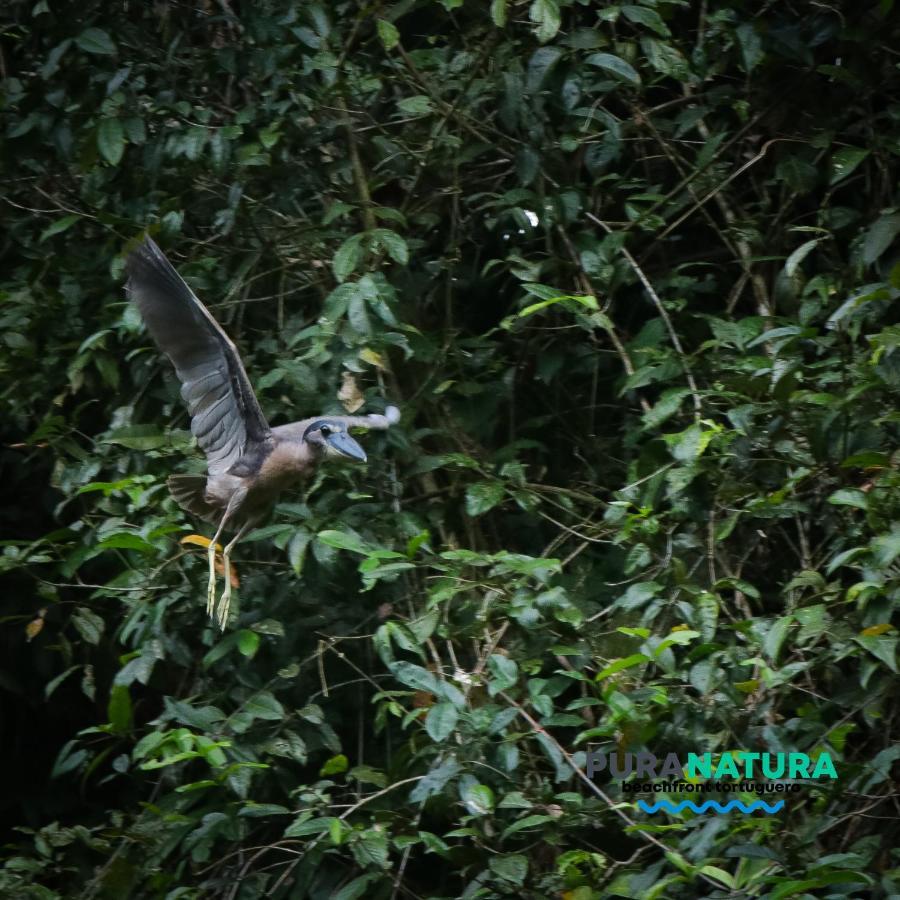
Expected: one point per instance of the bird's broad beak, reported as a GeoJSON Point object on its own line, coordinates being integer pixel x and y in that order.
{"type": "Point", "coordinates": [346, 446]}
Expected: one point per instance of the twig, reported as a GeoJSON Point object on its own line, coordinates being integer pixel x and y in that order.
{"type": "Point", "coordinates": [723, 184]}
{"type": "Point", "coordinates": [359, 174]}
{"type": "Point", "coordinates": [676, 343]}
{"type": "Point", "coordinates": [588, 288]}
{"type": "Point", "coordinates": [539, 729]}
{"type": "Point", "coordinates": [312, 845]}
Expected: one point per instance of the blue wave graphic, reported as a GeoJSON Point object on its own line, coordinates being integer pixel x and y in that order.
{"type": "Point", "coordinates": [668, 806]}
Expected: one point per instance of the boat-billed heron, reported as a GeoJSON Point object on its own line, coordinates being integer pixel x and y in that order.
{"type": "Point", "coordinates": [248, 462]}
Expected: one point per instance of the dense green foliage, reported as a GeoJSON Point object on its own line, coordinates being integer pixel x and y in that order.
{"type": "Point", "coordinates": [629, 271]}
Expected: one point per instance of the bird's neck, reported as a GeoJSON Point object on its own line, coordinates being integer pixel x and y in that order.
{"type": "Point", "coordinates": [288, 461]}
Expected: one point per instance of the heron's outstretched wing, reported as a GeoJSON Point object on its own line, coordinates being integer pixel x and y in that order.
{"type": "Point", "coordinates": [225, 414]}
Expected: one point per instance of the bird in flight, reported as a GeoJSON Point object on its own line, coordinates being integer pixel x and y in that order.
{"type": "Point", "coordinates": [248, 462]}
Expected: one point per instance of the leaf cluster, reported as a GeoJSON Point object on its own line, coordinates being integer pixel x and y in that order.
{"type": "Point", "coordinates": [630, 272]}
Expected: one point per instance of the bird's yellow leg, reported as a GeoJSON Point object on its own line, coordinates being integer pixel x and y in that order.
{"type": "Point", "coordinates": [211, 586]}
{"type": "Point", "coordinates": [225, 602]}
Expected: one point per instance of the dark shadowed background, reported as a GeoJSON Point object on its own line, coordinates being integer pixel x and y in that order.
{"type": "Point", "coordinates": [630, 272]}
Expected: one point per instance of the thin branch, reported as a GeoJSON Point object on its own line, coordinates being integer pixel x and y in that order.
{"type": "Point", "coordinates": [312, 845]}
{"type": "Point", "coordinates": [614, 807]}
{"type": "Point", "coordinates": [673, 335]}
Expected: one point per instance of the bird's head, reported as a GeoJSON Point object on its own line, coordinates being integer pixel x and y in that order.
{"type": "Point", "coordinates": [331, 438]}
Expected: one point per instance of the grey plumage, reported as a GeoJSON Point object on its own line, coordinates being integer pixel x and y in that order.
{"type": "Point", "coordinates": [248, 462]}
{"type": "Point", "coordinates": [225, 415]}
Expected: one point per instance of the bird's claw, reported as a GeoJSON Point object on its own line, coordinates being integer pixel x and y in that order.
{"type": "Point", "coordinates": [224, 605]}
{"type": "Point", "coordinates": [211, 588]}
{"type": "Point", "coordinates": [218, 608]}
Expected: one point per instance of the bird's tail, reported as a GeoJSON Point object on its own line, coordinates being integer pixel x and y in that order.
{"type": "Point", "coordinates": [189, 492]}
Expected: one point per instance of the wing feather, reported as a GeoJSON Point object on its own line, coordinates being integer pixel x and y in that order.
{"type": "Point", "coordinates": [225, 414]}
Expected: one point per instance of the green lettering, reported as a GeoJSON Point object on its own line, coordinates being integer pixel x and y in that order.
{"type": "Point", "coordinates": [770, 771]}
{"type": "Point", "coordinates": [749, 758]}
{"type": "Point", "coordinates": [798, 764]}
{"type": "Point", "coordinates": [824, 766]}
{"type": "Point", "coordinates": [727, 766]}
{"type": "Point", "coordinates": [699, 766]}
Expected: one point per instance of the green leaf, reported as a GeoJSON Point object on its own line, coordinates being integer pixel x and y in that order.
{"type": "Point", "coordinates": [886, 547]}
{"type": "Point", "coordinates": [441, 721]}
{"type": "Point", "coordinates": [619, 665]}
{"type": "Point", "coordinates": [51, 66]}
{"type": "Point", "coordinates": [531, 821]}
{"type": "Point", "coordinates": [645, 16]}
{"type": "Point", "coordinates": [124, 540]}
{"type": "Point", "coordinates": [435, 781]}
{"type": "Point", "coordinates": [336, 210]}
{"type": "Point", "coordinates": [394, 244]}
{"type": "Point", "coordinates": [615, 66]}
{"type": "Point", "coordinates": [268, 626]}
{"type": "Point", "coordinates": [498, 12]}
{"type": "Point", "coordinates": [688, 445]}
{"type": "Point", "coordinates": [54, 683]}
{"type": "Point", "coordinates": [586, 301]}
{"type": "Point", "coordinates": [388, 33]}
{"type": "Point", "coordinates": [751, 46]}
{"type": "Point", "coordinates": [510, 867]}
{"type": "Point", "coordinates": [264, 706]}
{"type": "Point", "coordinates": [478, 799]}
{"type": "Point", "coordinates": [540, 65]}
{"type": "Point", "coordinates": [138, 669]}
{"type": "Point", "coordinates": [248, 642]}
{"type": "Point", "coordinates": [483, 496]}
{"type": "Point", "coordinates": [136, 437]}
{"type": "Point", "coordinates": [303, 825]}
{"type": "Point", "coordinates": [850, 497]}
{"type": "Point", "coordinates": [111, 140]}
{"type": "Point", "coordinates": [88, 624]}
{"type": "Point", "coordinates": [707, 606]}
{"type": "Point", "coordinates": [343, 540]}
{"type": "Point", "coordinates": [68, 759]}
{"type": "Point", "coordinates": [368, 775]}
{"type": "Point", "coordinates": [797, 257]}
{"type": "Point", "coordinates": [297, 549]}
{"type": "Point", "coordinates": [800, 888]}
{"type": "Point", "coordinates": [720, 875]}
{"type": "Point", "coordinates": [665, 58]}
{"type": "Point", "coordinates": [545, 14]}
{"type": "Point", "coordinates": [57, 227]}
{"type": "Point", "coordinates": [867, 459]}
{"type": "Point", "coordinates": [97, 41]}
{"type": "Point", "coordinates": [879, 237]}
{"type": "Point", "coordinates": [881, 646]}
{"type": "Point", "coordinates": [669, 403]}
{"type": "Point", "coordinates": [417, 105]}
{"type": "Point", "coordinates": [676, 639]}
{"type": "Point", "coordinates": [334, 766]}
{"type": "Point", "coordinates": [358, 887]}
{"type": "Point", "coordinates": [118, 709]}
{"type": "Point", "coordinates": [844, 163]}
{"type": "Point", "coordinates": [775, 637]}
{"type": "Point", "coordinates": [504, 672]}
{"type": "Point", "coordinates": [701, 676]}
{"type": "Point", "coordinates": [347, 257]}
{"type": "Point", "coordinates": [415, 676]}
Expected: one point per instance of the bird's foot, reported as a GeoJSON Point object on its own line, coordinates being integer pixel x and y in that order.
{"type": "Point", "coordinates": [211, 588]}
{"type": "Point", "coordinates": [224, 604]}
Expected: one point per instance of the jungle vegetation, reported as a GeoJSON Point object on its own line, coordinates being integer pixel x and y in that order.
{"type": "Point", "coordinates": [630, 272]}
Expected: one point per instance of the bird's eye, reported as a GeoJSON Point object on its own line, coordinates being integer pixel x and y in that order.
{"type": "Point", "coordinates": [326, 430]}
